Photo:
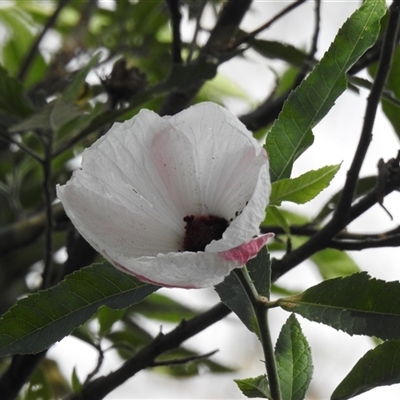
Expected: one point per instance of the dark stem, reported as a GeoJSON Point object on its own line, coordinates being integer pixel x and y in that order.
{"type": "Point", "coordinates": [176, 16]}
{"type": "Point", "coordinates": [30, 57]}
{"type": "Point", "coordinates": [373, 101]}
{"type": "Point", "coordinates": [343, 213]}
{"type": "Point", "coordinates": [48, 199]}
{"type": "Point", "coordinates": [260, 312]}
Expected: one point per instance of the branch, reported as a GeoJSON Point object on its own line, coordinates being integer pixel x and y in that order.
{"type": "Point", "coordinates": [218, 43]}
{"type": "Point", "coordinates": [343, 213]}
{"type": "Point", "coordinates": [30, 57]}
{"type": "Point", "coordinates": [184, 360]}
{"type": "Point", "coordinates": [144, 358]}
{"type": "Point", "coordinates": [176, 16]}
{"type": "Point", "coordinates": [357, 245]}
{"type": "Point", "coordinates": [373, 102]}
{"type": "Point", "coordinates": [22, 233]}
{"type": "Point", "coordinates": [249, 36]}
{"type": "Point", "coordinates": [269, 110]}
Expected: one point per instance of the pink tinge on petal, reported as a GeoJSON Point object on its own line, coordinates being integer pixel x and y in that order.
{"type": "Point", "coordinates": [147, 280]}
{"type": "Point", "coordinates": [246, 251]}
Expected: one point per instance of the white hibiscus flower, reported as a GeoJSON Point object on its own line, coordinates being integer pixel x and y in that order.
{"type": "Point", "coordinates": [176, 201]}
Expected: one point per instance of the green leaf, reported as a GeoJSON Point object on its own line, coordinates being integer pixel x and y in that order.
{"type": "Point", "coordinates": [254, 387]}
{"type": "Point", "coordinates": [73, 90]}
{"type": "Point", "coordinates": [293, 359]}
{"type": "Point", "coordinates": [334, 263]}
{"type": "Point", "coordinates": [39, 320]}
{"type": "Point", "coordinates": [107, 317]}
{"type": "Point", "coordinates": [12, 96]}
{"type": "Point", "coordinates": [304, 188]}
{"type": "Point", "coordinates": [51, 117]}
{"type": "Point", "coordinates": [75, 382]}
{"type": "Point", "coordinates": [390, 109]}
{"type": "Point", "coordinates": [356, 304]}
{"type": "Point", "coordinates": [275, 214]}
{"type": "Point", "coordinates": [291, 133]}
{"type": "Point", "coordinates": [233, 295]}
{"type": "Point", "coordinates": [378, 367]}
{"type": "Point", "coordinates": [163, 308]}
{"type": "Point", "coordinates": [278, 50]}
{"type": "Point", "coordinates": [38, 386]}
{"type": "Point", "coordinates": [20, 36]}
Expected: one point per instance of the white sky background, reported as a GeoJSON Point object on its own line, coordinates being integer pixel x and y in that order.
{"type": "Point", "coordinates": [334, 353]}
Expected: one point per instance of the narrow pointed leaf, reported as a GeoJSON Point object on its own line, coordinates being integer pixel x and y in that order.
{"type": "Point", "coordinates": [291, 133]}
{"type": "Point", "coordinates": [255, 387]}
{"type": "Point", "coordinates": [233, 295]}
{"type": "Point", "coordinates": [293, 359]}
{"type": "Point", "coordinates": [356, 304]}
{"type": "Point", "coordinates": [378, 367]}
{"type": "Point", "coordinates": [304, 188]}
{"type": "Point", "coordinates": [39, 320]}
{"type": "Point", "coordinates": [278, 50]}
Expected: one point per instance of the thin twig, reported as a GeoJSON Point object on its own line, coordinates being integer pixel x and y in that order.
{"type": "Point", "coordinates": [30, 57]}
{"type": "Point", "coordinates": [373, 102]}
{"type": "Point", "coordinates": [249, 36]}
{"type": "Point", "coordinates": [8, 138]}
{"type": "Point", "coordinates": [100, 387]}
{"type": "Point", "coordinates": [196, 30]}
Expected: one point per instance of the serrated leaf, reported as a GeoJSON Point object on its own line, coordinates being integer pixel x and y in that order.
{"type": "Point", "coordinates": [39, 320]}
{"type": "Point", "coordinates": [334, 263]}
{"type": "Point", "coordinates": [233, 295]}
{"type": "Point", "coordinates": [304, 188]}
{"type": "Point", "coordinates": [293, 359]}
{"type": "Point", "coordinates": [356, 304]}
{"type": "Point", "coordinates": [255, 387]}
{"type": "Point", "coordinates": [291, 133]}
{"type": "Point", "coordinates": [378, 367]}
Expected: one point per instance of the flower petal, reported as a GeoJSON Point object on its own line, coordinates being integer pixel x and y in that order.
{"type": "Point", "coordinates": [183, 270]}
{"type": "Point", "coordinates": [227, 157]}
{"type": "Point", "coordinates": [139, 181]}
{"type": "Point", "coordinates": [246, 251]}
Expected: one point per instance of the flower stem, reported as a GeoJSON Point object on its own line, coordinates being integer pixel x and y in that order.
{"type": "Point", "coordinates": [260, 309]}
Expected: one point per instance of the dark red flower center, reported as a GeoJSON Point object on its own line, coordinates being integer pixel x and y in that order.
{"type": "Point", "coordinates": [202, 230]}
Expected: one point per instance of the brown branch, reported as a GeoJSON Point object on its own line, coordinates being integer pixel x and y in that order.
{"type": "Point", "coordinates": [176, 16]}
{"type": "Point", "coordinates": [144, 358]}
